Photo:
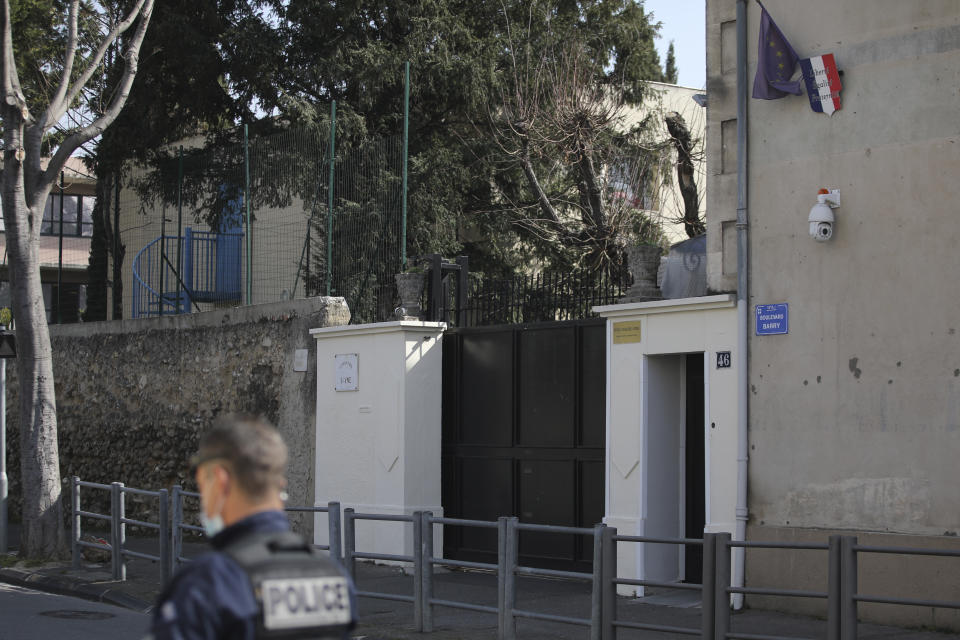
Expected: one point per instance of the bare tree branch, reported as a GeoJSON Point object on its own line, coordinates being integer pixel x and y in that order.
{"type": "Point", "coordinates": [12, 91]}
{"type": "Point", "coordinates": [686, 180]}
{"type": "Point", "coordinates": [68, 58]}
{"type": "Point", "coordinates": [25, 186]}
{"type": "Point", "coordinates": [545, 204]}
{"type": "Point", "coordinates": [60, 104]}
{"type": "Point", "coordinates": [94, 129]}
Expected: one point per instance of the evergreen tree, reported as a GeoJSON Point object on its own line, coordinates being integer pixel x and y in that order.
{"type": "Point", "coordinates": [465, 192]}
{"type": "Point", "coordinates": [670, 71]}
{"type": "Point", "coordinates": [204, 64]}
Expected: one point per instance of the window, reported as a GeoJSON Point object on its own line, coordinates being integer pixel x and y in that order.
{"type": "Point", "coordinates": [72, 300]}
{"type": "Point", "coordinates": [77, 216]}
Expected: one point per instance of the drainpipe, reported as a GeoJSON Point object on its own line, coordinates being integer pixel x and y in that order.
{"type": "Point", "coordinates": [743, 301]}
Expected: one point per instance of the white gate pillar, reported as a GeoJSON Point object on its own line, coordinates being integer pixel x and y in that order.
{"type": "Point", "coordinates": [378, 426]}
{"type": "Point", "coordinates": [646, 418]}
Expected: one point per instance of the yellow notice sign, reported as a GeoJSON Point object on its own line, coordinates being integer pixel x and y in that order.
{"type": "Point", "coordinates": [626, 332]}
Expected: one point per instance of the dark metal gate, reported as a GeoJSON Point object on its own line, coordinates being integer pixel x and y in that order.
{"type": "Point", "coordinates": [523, 435]}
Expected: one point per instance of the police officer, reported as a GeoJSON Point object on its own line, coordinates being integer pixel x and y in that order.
{"type": "Point", "coordinates": [261, 580]}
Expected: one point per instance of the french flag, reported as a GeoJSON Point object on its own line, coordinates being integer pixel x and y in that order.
{"type": "Point", "coordinates": [823, 83]}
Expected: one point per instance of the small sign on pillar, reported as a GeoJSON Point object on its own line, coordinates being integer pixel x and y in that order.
{"type": "Point", "coordinates": [346, 372]}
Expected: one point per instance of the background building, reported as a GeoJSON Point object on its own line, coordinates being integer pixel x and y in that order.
{"type": "Point", "coordinates": [66, 301]}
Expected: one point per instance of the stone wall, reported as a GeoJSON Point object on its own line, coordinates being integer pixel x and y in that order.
{"type": "Point", "coordinates": [133, 396]}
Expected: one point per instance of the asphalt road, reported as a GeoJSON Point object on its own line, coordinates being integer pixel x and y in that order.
{"type": "Point", "coordinates": [26, 615]}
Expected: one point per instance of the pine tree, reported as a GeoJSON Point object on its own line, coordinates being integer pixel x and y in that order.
{"type": "Point", "coordinates": [670, 71]}
{"type": "Point", "coordinates": [464, 57]}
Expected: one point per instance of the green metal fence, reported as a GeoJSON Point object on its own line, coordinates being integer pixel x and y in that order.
{"type": "Point", "coordinates": [263, 219]}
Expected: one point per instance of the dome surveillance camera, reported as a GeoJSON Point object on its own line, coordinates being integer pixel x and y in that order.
{"type": "Point", "coordinates": [821, 217]}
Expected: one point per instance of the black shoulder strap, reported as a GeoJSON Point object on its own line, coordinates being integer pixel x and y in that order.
{"type": "Point", "coordinates": [255, 548]}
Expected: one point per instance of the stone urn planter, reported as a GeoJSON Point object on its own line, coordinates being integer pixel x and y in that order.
{"type": "Point", "coordinates": [643, 260]}
{"type": "Point", "coordinates": [409, 288]}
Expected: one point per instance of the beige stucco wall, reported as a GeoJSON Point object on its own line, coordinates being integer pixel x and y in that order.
{"type": "Point", "coordinates": [854, 415]}
{"type": "Point", "coordinates": [662, 99]}
{"type": "Point", "coordinates": [276, 245]}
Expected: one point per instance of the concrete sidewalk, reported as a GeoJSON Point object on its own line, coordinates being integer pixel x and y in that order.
{"type": "Point", "coordinates": [391, 620]}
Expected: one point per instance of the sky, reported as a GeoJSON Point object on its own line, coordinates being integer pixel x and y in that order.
{"type": "Point", "coordinates": [683, 23]}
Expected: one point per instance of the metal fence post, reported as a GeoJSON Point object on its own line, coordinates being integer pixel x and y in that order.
{"type": "Point", "coordinates": [833, 587]}
{"type": "Point", "coordinates": [722, 595]}
{"type": "Point", "coordinates": [117, 531]}
{"type": "Point", "coordinates": [708, 602]}
{"type": "Point", "coordinates": [427, 592]}
{"type": "Point", "coordinates": [435, 308]}
{"type": "Point", "coordinates": [608, 601]}
{"type": "Point", "coordinates": [176, 532]}
{"type": "Point", "coordinates": [501, 575]}
{"type": "Point", "coordinates": [418, 570]}
{"type": "Point", "coordinates": [164, 536]}
{"type": "Point", "coordinates": [349, 542]}
{"type": "Point", "coordinates": [75, 521]}
{"type": "Point", "coordinates": [510, 582]}
{"type": "Point", "coordinates": [848, 588]}
{"type": "Point", "coordinates": [333, 531]}
{"type": "Point", "coordinates": [596, 587]}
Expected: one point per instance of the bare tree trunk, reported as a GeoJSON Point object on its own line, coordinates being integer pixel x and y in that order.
{"type": "Point", "coordinates": [589, 182]}
{"type": "Point", "coordinates": [25, 187]}
{"type": "Point", "coordinates": [42, 533]}
{"type": "Point", "coordinates": [686, 178]}
{"type": "Point", "coordinates": [548, 211]}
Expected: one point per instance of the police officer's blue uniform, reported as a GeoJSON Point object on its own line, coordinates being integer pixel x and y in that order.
{"type": "Point", "coordinates": [211, 598]}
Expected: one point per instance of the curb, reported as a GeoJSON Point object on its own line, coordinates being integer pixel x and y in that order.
{"type": "Point", "coordinates": [69, 586]}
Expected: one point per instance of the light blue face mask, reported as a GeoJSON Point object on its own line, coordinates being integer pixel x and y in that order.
{"type": "Point", "coordinates": [211, 526]}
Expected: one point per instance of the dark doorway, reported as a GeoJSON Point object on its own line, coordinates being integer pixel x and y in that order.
{"type": "Point", "coordinates": [524, 424]}
{"type": "Point", "coordinates": [695, 463]}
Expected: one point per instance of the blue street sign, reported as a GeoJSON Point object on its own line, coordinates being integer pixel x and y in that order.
{"type": "Point", "coordinates": [773, 319]}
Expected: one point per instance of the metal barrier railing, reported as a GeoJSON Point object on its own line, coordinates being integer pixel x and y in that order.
{"type": "Point", "coordinates": [76, 529]}
{"type": "Point", "coordinates": [170, 526]}
{"type": "Point", "coordinates": [507, 569]}
{"type": "Point", "coordinates": [334, 543]}
{"type": "Point", "coordinates": [609, 571]}
{"type": "Point", "coordinates": [162, 526]}
{"type": "Point", "coordinates": [513, 569]}
{"type": "Point", "coordinates": [842, 593]}
{"type": "Point", "coordinates": [118, 527]}
{"type": "Point", "coordinates": [350, 555]}
{"type": "Point", "coordinates": [430, 560]}
{"type": "Point", "coordinates": [179, 525]}
{"type": "Point", "coordinates": [724, 589]}
{"type": "Point", "coordinates": [849, 588]}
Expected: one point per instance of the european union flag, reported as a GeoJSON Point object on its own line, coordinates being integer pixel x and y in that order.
{"type": "Point", "coordinates": [776, 62]}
